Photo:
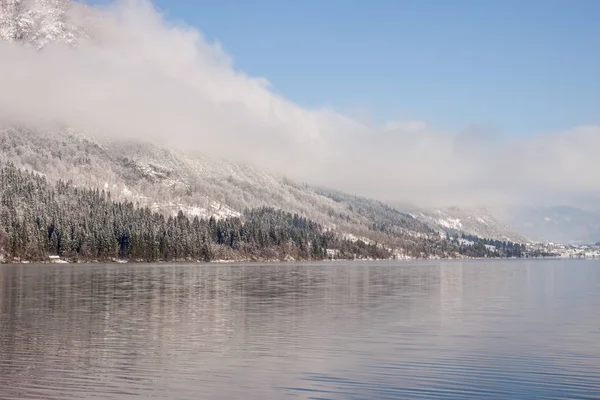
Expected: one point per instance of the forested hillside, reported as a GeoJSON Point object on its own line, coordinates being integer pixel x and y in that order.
{"type": "Point", "coordinates": [164, 195]}
{"type": "Point", "coordinates": [168, 181]}
{"type": "Point", "coordinates": [136, 167]}
{"type": "Point", "coordinates": [38, 220]}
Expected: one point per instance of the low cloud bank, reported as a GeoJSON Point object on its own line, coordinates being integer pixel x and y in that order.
{"type": "Point", "coordinates": [136, 75]}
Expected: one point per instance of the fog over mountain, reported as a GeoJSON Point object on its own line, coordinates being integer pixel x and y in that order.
{"type": "Point", "coordinates": [136, 74]}
{"type": "Point", "coordinates": [123, 75]}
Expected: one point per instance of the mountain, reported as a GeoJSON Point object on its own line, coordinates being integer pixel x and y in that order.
{"type": "Point", "coordinates": [38, 219]}
{"type": "Point", "coordinates": [561, 224]}
{"type": "Point", "coordinates": [164, 204]}
{"type": "Point", "coordinates": [476, 221]}
{"type": "Point", "coordinates": [168, 181]}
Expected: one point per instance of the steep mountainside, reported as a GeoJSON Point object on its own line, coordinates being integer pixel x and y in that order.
{"type": "Point", "coordinates": [167, 181]}
{"type": "Point", "coordinates": [478, 221]}
{"type": "Point", "coordinates": [39, 222]}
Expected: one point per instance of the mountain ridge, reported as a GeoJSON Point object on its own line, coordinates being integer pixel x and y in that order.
{"type": "Point", "coordinates": [476, 221]}
{"type": "Point", "coordinates": [167, 180]}
{"type": "Point", "coordinates": [43, 222]}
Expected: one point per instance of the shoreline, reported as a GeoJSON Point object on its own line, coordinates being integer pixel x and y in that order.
{"type": "Point", "coordinates": [276, 261]}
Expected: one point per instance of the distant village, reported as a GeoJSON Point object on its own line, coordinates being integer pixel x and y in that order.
{"type": "Point", "coordinates": [568, 250]}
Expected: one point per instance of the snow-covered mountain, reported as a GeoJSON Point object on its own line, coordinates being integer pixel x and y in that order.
{"type": "Point", "coordinates": [167, 180]}
{"type": "Point", "coordinates": [476, 221]}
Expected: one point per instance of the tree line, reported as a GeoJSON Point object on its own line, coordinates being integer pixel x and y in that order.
{"type": "Point", "coordinates": [38, 219]}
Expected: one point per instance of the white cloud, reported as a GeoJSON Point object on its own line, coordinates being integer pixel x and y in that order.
{"type": "Point", "coordinates": [144, 77]}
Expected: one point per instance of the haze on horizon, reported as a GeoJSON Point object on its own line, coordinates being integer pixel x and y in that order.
{"type": "Point", "coordinates": [139, 75]}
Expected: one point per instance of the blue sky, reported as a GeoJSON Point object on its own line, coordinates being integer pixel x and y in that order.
{"type": "Point", "coordinates": [519, 67]}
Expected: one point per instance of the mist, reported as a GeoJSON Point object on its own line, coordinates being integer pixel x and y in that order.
{"type": "Point", "coordinates": [135, 75]}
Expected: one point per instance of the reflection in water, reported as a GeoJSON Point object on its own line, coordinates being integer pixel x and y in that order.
{"type": "Point", "coordinates": [377, 330]}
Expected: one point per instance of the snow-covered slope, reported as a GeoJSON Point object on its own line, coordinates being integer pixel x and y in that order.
{"type": "Point", "coordinates": [475, 221]}
{"type": "Point", "coordinates": [38, 22]}
{"type": "Point", "coordinates": [160, 178]}
{"type": "Point", "coordinates": [169, 181]}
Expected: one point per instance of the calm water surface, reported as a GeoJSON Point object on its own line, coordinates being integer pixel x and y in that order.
{"type": "Point", "coordinates": [506, 329]}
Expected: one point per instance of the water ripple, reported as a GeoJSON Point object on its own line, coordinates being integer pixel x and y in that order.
{"type": "Point", "coordinates": [453, 330]}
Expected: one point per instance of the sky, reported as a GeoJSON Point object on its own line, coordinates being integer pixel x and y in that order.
{"type": "Point", "coordinates": [519, 67]}
{"type": "Point", "coordinates": [446, 103]}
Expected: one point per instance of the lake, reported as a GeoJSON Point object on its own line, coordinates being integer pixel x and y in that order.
{"type": "Point", "coordinates": [387, 330]}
